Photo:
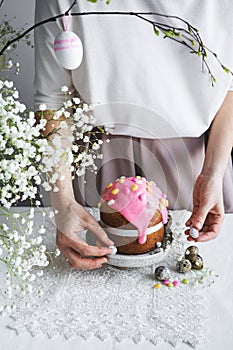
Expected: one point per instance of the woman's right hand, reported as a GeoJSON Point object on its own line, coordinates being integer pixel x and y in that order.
{"type": "Point", "coordinates": [208, 208]}
{"type": "Point", "coordinates": [69, 221]}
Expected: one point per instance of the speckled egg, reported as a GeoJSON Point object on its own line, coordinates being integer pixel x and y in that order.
{"type": "Point", "coordinates": [162, 273]}
{"type": "Point", "coordinates": [184, 265]}
{"type": "Point", "coordinates": [191, 250]}
{"type": "Point", "coordinates": [194, 233]}
{"type": "Point", "coordinates": [196, 261]}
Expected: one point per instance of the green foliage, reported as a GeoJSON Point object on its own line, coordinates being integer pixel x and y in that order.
{"type": "Point", "coordinates": [107, 1]}
{"type": "Point", "coordinates": [227, 70]}
{"type": "Point", "coordinates": [156, 31]}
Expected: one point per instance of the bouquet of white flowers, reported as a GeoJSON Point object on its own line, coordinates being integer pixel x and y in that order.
{"type": "Point", "coordinates": [29, 159]}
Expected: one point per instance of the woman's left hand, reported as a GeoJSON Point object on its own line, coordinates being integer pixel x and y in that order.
{"type": "Point", "coordinates": [208, 209]}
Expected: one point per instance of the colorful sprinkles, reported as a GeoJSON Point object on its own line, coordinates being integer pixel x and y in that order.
{"type": "Point", "coordinates": [115, 190]}
{"type": "Point", "coordinates": [134, 187]}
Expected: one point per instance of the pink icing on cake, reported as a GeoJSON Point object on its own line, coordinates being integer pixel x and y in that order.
{"type": "Point", "coordinates": [137, 200]}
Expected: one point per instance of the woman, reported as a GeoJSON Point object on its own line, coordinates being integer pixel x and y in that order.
{"type": "Point", "coordinates": [155, 101]}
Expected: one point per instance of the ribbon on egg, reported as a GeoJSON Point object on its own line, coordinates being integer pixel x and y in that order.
{"type": "Point", "coordinates": [68, 47]}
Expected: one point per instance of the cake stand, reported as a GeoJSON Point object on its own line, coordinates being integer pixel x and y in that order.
{"type": "Point", "coordinates": [141, 260]}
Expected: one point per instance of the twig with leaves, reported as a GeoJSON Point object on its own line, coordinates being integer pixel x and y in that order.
{"type": "Point", "coordinates": [184, 34]}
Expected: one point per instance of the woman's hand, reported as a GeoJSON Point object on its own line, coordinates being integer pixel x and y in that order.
{"type": "Point", "coordinates": [208, 209]}
{"type": "Point", "coordinates": [72, 219]}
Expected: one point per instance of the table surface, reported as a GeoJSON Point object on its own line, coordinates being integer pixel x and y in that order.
{"type": "Point", "coordinates": [219, 305]}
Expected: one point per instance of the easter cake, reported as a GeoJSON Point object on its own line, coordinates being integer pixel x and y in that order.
{"type": "Point", "coordinates": [133, 212]}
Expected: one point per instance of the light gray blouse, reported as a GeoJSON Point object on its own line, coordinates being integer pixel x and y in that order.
{"type": "Point", "coordinates": [143, 85]}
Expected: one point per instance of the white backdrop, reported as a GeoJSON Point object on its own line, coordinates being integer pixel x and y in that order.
{"type": "Point", "coordinates": [23, 10]}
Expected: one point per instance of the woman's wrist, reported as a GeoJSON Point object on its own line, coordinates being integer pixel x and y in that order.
{"type": "Point", "coordinates": [62, 199]}
{"type": "Point", "coordinates": [212, 171]}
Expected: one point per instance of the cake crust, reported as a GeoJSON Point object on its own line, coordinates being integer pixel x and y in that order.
{"type": "Point", "coordinates": [130, 245]}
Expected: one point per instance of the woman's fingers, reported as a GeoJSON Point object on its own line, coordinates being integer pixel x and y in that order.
{"type": "Point", "coordinates": [89, 250]}
{"type": "Point", "coordinates": [80, 246]}
{"type": "Point", "coordinates": [91, 224]}
{"type": "Point", "coordinates": [99, 232]}
{"type": "Point", "coordinates": [210, 230]}
{"type": "Point", "coordinates": [80, 263]}
{"type": "Point", "coordinates": [199, 215]}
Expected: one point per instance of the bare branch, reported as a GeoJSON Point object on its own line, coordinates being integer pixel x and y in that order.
{"type": "Point", "coordinates": [1, 3]}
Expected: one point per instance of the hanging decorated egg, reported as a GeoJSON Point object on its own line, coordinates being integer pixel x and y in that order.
{"type": "Point", "coordinates": [68, 49]}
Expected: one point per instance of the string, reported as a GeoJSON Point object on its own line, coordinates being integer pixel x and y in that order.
{"type": "Point", "coordinates": [65, 24]}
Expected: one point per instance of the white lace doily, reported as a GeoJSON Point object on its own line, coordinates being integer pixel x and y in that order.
{"type": "Point", "coordinates": [114, 302]}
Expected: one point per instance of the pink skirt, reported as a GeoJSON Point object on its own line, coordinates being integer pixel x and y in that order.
{"type": "Point", "coordinates": [173, 164]}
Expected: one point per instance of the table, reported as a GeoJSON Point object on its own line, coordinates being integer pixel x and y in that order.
{"type": "Point", "coordinates": [219, 305]}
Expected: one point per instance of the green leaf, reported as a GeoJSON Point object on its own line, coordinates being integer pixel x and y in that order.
{"type": "Point", "coordinates": [156, 31]}
{"type": "Point", "coordinates": [107, 1]}
{"type": "Point", "coordinates": [168, 33]}
{"type": "Point", "coordinates": [227, 70]}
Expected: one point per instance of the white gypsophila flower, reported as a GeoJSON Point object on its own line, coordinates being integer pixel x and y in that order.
{"type": "Point", "coordinates": [31, 214]}
{"type": "Point", "coordinates": [76, 100]}
{"type": "Point", "coordinates": [29, 289]}
{"type": "Point", "coordinates": [57, 115]}
{"type": "Point", "coordinates": [42, 107]}
{"type": "Point", "coordinates": [40, 273]}
{"type": "Point", "coordinates": [32, 277]}
{"type": "Point", "coordinates": [95, 146]}
{"type": "Point", "coordinates": [79, 123]}
{"type": "Point", "coordinates": [42, 229]}
{"type": "Point", "coordinates": [8, 84]}
{"type": "Point", "coordinates": [40, 292]}
{"type": "Point", "coordinates": [5, 227]}
{"type": "Point", "coordinates": [85, 107]}
{"type": "Point", "coordinates": [92, 119]}
{"type": "Point", "coordinates": [86, 139]}
{"type": "Point", "coordinates": [64, 88]}
{"type": "Point", "coordinates": [57, 252]}
{"type": "Point", "coordinates": [63, 125]}
{"type": "Point", "coordinates": [42, 248]}
{"type": "Point", "coordinates": [39, 240]}
{"type": "Point", "coordinates": [15, 94]}
{"type": "Point", "coordinates": [9, 64]}
{"type": "Point", "coordinates": [80, 171]}
{"type": "Point", "coordinates": [68, 104]}
{"type": "Point", "coordinates": [75, 148]}
{"type": "Point", "coordinates": [51, 214]}
{"type": "Point", "coordinates": [85, 119]}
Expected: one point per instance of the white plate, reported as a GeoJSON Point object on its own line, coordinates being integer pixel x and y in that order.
{"type": "Point", "coordinates": [139, 260]}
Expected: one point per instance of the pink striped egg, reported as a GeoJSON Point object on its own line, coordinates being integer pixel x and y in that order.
{"type": "Point", "coordinates": [68, 49]}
